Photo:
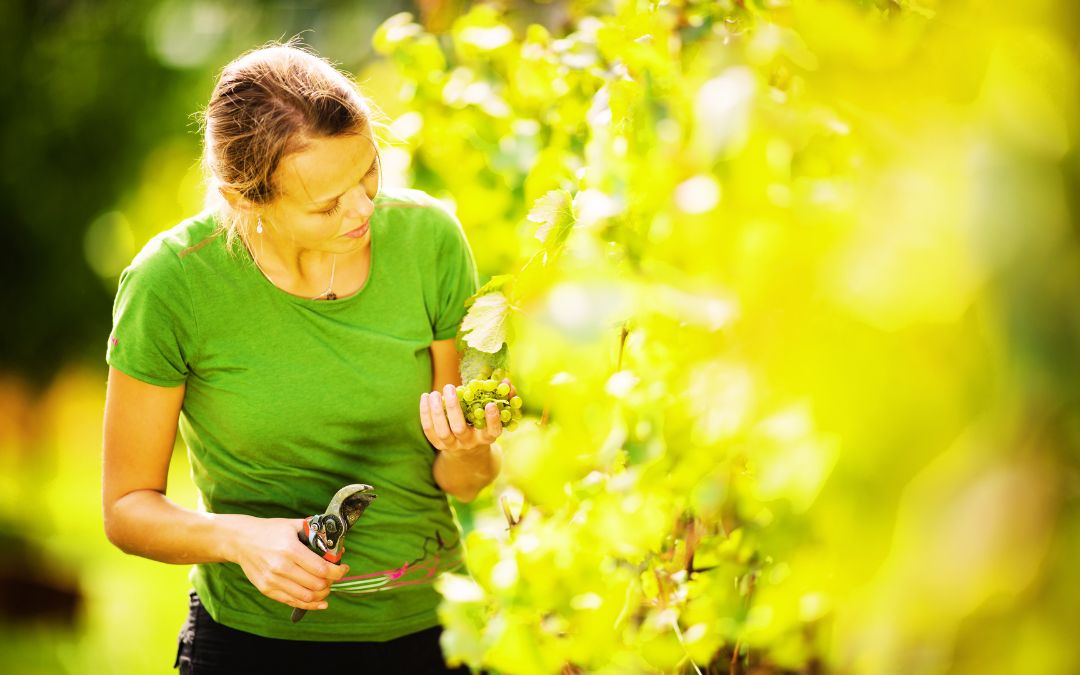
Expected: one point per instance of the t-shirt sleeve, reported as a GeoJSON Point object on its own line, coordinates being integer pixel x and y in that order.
{"type": "Point", "coordinates": [153, 334]}
{"type": "Point", "coordinates": [457, 276]}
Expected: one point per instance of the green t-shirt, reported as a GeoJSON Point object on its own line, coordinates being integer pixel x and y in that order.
{"type": "Point", "coordinates": [289, 399]}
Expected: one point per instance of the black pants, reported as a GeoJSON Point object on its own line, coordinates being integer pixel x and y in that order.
{"type": "Point", "coordinates": [207, 648]}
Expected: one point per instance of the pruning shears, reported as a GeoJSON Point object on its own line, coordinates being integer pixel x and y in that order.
{"type": "Point", "coordinates": [324, 533]}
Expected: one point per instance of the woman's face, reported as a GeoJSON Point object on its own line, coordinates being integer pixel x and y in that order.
{"type": "Point", "coordinates": [326, 194]}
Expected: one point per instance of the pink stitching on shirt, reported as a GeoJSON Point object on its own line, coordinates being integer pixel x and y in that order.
{"type": "Point", "coordinates": [423, 571]}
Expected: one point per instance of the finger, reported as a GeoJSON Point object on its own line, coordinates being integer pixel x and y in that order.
{"type": "Point", "coordinates": [426, 423]}
{"type": "Point", "coordinates": [513, 389]}
{"type": "Point", "coordinates": [317, 566]}
{"type": "Point", "coordinates": [494, 423]}
{"type": "Point", "coordinates": [301, 576]}
{"type": "Point", "coordinates": [296, 595]}
{"type": "Point", "coordinates": [454, 412]}
{"type": "Point", "coordinates": [438, 419]}
{"type": "Point", "coordinates": [293, 602]}
{"type": "Point", "coordinates": [339, 570]}
{"type": "Point", "coordinates": [425, 414]}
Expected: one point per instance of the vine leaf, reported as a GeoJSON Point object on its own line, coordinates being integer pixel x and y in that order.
{"type": "Point", "coordinates": [495, 284]}
{"type": "Point", "coordinates": [484, 326]}
{"type": "Point", "coordinates": [476, 365]}
{"type": "Point", "coordinates": [483, 336]}
{"type": "Point", "coordinates": [555, 213]}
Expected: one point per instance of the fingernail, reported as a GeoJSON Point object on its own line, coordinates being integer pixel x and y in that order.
{"type": "Point", "coordinates": [323, 605]}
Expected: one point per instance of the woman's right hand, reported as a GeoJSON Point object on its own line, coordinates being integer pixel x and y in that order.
{"type": "Point", "coordinates": [281, 567]}
{"type": "Point", "coordinates": [140, 429]}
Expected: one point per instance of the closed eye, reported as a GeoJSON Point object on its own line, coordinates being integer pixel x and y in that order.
{"type": "Point", "coordinates": [337, 202]}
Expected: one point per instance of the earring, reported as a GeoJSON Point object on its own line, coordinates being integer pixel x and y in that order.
{"type": "Point", "coordinates": [258, 228]}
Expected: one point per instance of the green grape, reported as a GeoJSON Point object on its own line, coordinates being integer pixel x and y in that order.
{"type": "Point", "coordinates": [498, 374]}
{"type": "Point", "coordinates": [477, 394]}
{"type": "Point", "coordinates": [513, 425]}
{"type": "Point", "coordinates": [485, 372]}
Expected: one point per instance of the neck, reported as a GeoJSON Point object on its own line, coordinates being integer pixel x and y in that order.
{"type": "Point", "coordinates": [300, 264]}
{"type": "Point", "coordinates": [300, 271]}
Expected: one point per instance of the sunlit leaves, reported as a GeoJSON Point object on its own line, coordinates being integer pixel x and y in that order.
{"type": "Point", "coordinates": [484, 326]}
{"type": "Point", "coordinates": [404, 40]}
{"type": "Point", "coordinates": [722, 110]}
{"type": "Point", "coordinates": [477, 364]}
{"type": "Point", "coordinates": [555, 214]}
{"type": "Point", "coordinates": [481, 30]}
{"type": "Point", "coordinates": [729, 226]}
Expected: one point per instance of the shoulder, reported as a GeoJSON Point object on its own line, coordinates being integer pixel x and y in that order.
{"type": "Point", "coordinates": [407, 198]}
{"type": "Point", "coordinates": [163, 258]}
{"type": "Point", "coordinates": [404, 204]}
{"type": "Point", "coordinates": [428, 225]}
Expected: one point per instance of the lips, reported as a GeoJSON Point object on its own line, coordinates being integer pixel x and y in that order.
{"type": "Point", "coordinates": [358, 232]}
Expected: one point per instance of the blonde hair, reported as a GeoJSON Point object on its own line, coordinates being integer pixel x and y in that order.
{"type": "Point", "coordinates": [265, 105]}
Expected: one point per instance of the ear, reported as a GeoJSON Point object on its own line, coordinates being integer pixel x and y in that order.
{"type": "Point", "coordinates": [238, 202]}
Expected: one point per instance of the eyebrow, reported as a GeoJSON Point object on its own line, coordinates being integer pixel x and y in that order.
{"type": "Point", "coordinates": [328, 200]}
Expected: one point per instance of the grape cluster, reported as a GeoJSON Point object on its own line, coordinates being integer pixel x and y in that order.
{"type": "Point", "coordinates": [474, 397]}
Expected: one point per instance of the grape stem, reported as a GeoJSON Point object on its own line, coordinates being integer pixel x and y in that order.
{"type": "Point", "coordinates": [510, 519]}
{"type": "Point", "coordinates": [624, 332]}
{"type": "Point", "coordinates": [682, 643]}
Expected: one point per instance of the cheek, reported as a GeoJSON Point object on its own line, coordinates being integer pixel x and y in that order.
{"type": "Point", "coordinates": [316, 227]}
{"type": "Point", "coordinates": [328, 226]}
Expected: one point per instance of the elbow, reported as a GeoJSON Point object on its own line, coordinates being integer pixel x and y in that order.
{"type": "Point", "coordinates": [117, 528]}
{"type": "Point", "coordinates": [114, 530]}
{"type": "Point", "coordinates": [464, 496]}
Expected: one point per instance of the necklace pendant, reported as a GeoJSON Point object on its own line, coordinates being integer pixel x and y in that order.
{"type": "Point", "coordinates": [331, 296]}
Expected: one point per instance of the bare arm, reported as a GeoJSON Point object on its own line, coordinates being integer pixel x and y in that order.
{"type": "Point", "coordinates": [140, 429]}
{"type": "Point", "coordinates": [468, 458]}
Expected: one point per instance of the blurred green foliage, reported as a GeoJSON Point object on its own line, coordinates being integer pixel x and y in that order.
{"type": "Point", "coordinates": [99, 147]}
{"type": "Point", "coordinates": [794, 309]}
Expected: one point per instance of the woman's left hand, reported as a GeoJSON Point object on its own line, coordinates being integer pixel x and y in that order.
{"type": "Point", "coordinates": [447, 430]}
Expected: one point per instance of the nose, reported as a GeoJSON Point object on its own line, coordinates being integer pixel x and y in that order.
{"type": "Point", "coordinates": [358, 204]}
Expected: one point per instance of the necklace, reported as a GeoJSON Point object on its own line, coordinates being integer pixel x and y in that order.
{"type": "Point", "coordinates": [328, 294]}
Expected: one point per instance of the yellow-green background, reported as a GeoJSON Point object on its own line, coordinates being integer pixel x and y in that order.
{"type": "Point", "coordinates": [875, 330]}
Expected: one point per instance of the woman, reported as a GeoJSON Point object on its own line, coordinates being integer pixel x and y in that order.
{"type": "Point", "coordinates": [290, 333]}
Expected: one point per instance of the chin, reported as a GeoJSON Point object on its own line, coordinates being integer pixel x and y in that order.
{"type": "Point", "coordinates": [350, 244]}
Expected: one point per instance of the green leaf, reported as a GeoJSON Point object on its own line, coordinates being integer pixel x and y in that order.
{"type": "Point", "coordinates": [555, 213]}
{"type": "Point", "coordinates": [495, 284]}
{"type": "Point", "coordinates": [475, 363]}
{"type": "Point", "coordinates": [484, 326]}
{"type": "Point", "coordinates": [397, 29]}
